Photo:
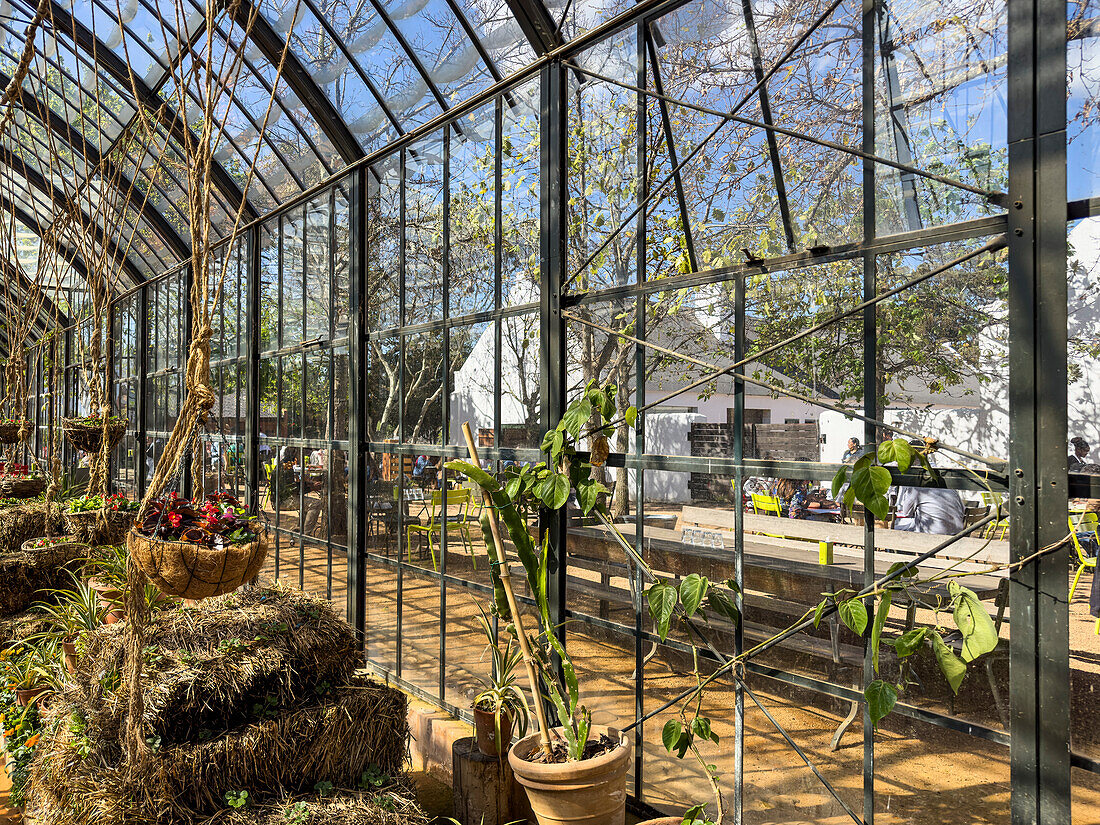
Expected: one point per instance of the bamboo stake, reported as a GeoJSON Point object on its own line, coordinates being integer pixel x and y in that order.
{"type": "Point", "coordinates": [513, 605]}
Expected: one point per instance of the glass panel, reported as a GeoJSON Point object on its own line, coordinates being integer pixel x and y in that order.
{"type": "Point", "coordinates": [472, 214]}
{"type": "Point", "coordinates": [424, 232]}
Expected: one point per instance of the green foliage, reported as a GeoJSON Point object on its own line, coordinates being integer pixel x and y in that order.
{"type": "Point", "coordinates": [237, 799]}
{"type": "Point", "coordinates": [296, 814]}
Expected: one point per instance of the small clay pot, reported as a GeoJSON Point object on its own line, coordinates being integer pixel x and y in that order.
{"type": "Point", "coordinates": [69, 646]}
{"type": "Point", "coordinates": [28, 695]}
{"type": "Point", "coordinates": [110, 600]}
{"type": "Point", "coordinates": [486, 729]}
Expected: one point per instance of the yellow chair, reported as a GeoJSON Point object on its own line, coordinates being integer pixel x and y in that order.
{"type": "Point", "coordinates": [438, 521]}
{"type": "Point", "coordinates": [1087, 521]}
{"type": "Point", "coordinates": [995, 502]}
{"type": "Point", "coordinates": [764, 504]}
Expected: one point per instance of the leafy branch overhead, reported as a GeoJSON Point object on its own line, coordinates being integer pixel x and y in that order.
{"type": "Point", "coordinates": [869, 480]}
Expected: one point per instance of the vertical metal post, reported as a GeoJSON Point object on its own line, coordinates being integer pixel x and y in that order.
{"type": "Point", "coordinates": [553, 260]}
{"type": "Point", "coordinates": [739, 342]}
{"type": "Point", "coordinates": [641, 171]}
{"type": "Point", "coordinates": [252, 370]}
{"type": "Point", "coordinates": [108, 389]}
{"type": "Point", "coordinates": [358, 435]}
{"type": "Point", "coordinates": [142, 435]}
{"type": "Point", "coordinates": [1039, 646]}
{"type": "Point", "coordinates": [870, 375]}
{"type": "Point", "coordinates": [445, 401]}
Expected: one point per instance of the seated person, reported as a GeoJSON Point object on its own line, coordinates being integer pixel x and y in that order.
{"type": "Point", "coordinates": [796, 499]}
{"type": "Point", "coordinates": [929, 510]}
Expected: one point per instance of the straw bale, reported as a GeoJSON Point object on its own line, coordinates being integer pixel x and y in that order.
{"type": "Point", "coordinates": [27, 521]}
{"type": "Point", "coordinates": [330, 739]}
{"type": "Point", "coordinates": [23, 573]}
{"type": "Point", "coordinates": [19, 626]}
{"type": "Point", "coordinates": [210, 666]}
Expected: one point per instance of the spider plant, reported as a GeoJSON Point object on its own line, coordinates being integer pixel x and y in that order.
{"type": "Point", "coordinates": [503, 695]}
{"type": "Point", "coordinates": [70, 611]}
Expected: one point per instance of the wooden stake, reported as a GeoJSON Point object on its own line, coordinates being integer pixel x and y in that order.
{"type": "Point", "coordinates": [513, 605]}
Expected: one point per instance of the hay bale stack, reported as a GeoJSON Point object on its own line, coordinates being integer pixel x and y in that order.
{"type": "Point", "coordinates": [209, 668]}
{"type": "Point", "coordinates": [251, 692]}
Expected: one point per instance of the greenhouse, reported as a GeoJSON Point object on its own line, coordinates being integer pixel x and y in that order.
{"type": "Point", "coordinates": [550, 412]}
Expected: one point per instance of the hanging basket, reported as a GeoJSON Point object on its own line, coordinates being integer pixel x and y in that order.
{"type": "Point", "coordinates": [9, 431]}
{"type": "Point", "coordinates": [60, 550]}
{"type": "Point", "coordinates": [88, 435]}
{"type": "Point", "coordinates": [196, 571]}
{"type": "Point", "coordinates": [21, 486]}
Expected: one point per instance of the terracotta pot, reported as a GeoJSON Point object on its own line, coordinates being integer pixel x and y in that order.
{"type": "Point", "coordinates": [590, 792]}
{"type": "Point", "coordinates": [110, 599]}
{"type": "Point", "coordinates": [486, 728]}
{"type": "Point", "coordinates": [664, 820]}
{"type": "Point", "coordinates": [25, 697]}
{"type": "Point", "coordinates": [69, 646]}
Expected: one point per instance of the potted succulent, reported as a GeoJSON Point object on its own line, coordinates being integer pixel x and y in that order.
{"type": "Point", "coordinates": [575, 773]}
{"type": "Point", "coordinates": [195, 551]}
{"type": "Point", "coordinates": [86, 432]}
{"type": "Point", "coordinates": [501, 709]}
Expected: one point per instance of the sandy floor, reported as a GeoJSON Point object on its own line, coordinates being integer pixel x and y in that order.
{"type": "Point", "coordinates": [925, 774]}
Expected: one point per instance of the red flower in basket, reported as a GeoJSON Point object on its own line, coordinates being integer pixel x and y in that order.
{"type": "Point", "coordinates": [175, 519]}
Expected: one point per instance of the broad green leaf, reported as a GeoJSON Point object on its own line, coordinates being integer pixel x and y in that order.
{"type": "Point", "coordinates": [692, 590]}
{"type": "Point", "coordinates": [862, 462]}
{"type": "Point", "coordinates": [577, 416]}
{"type": "Point", "coordinates": [662, 600]}
{"type": "Point", "coordinates": [864, 484]}
{"type": "Point", "coordinates": [879, 506]}
{"type": "Point", "coordinates": [903, 454]}
{"type": "Point", "coordinates": [881, 697]}
{"type": "Point", "coordinates": [954, 668]}
{"type": "Point", "coordinates": [854, 615]}
{"type": "Point", "coordinates": [819, 611]}
{"type": "Point", "coordinates": [886, 452]}
{"type": "Point", "coordinates": [723, 605]}
{"type": "Point", "coordinates": [701, 727]}
{"type": "Point", "coordinates": [838, 481]}
{"type": "Point", "coordinates": [880, 479]}
{"type": "Point", "coordinates": [631, 415]}
{"type": "Point", "coordinates": [910, 642]}
{"type": "Point", "coordinates": [554, 491]}
{"type": "Point", "coordinates": [670, 734]}
{"type": "Point", "coordinates": [500, 599]}
{"type": "Point", "coordinates": [588, 494]}
{"type": "Point", "coordinates": [979, 634]}
{"type": "Point", "coordinates": [876, 628]}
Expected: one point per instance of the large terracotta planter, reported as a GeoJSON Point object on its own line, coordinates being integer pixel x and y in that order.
{"type": "Point", "coordinates": [590, 792]}
{"type": "Point", "coordinates": [485, 727]}
{"type": "Point", "coordinates": [110, 600]}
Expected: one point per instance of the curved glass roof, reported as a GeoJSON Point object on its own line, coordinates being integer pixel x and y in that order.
{"type": "Point", "coordinates": [358, 75]}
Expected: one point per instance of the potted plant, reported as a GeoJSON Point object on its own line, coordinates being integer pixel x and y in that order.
{"type": "Point", "coordinates": [501, 709]}
{"type": "Point", "coordinates": [20, 729]}
{"type": "Point", "coordinates": [29, 670]}
{"type": "Point", "coordinates": [198, 551]}
{"type": "Point", "coordinates": [575, 773]}
{"type": "Point", "coordinates": [109, 584]}
{"type": "Point", "coordinates": [71, 612]}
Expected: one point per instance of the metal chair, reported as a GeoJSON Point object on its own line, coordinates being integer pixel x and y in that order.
{"type": "Point", "coordinates": [438, 521]}
{"type": "Point", "coordinates": [1087, 522]}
